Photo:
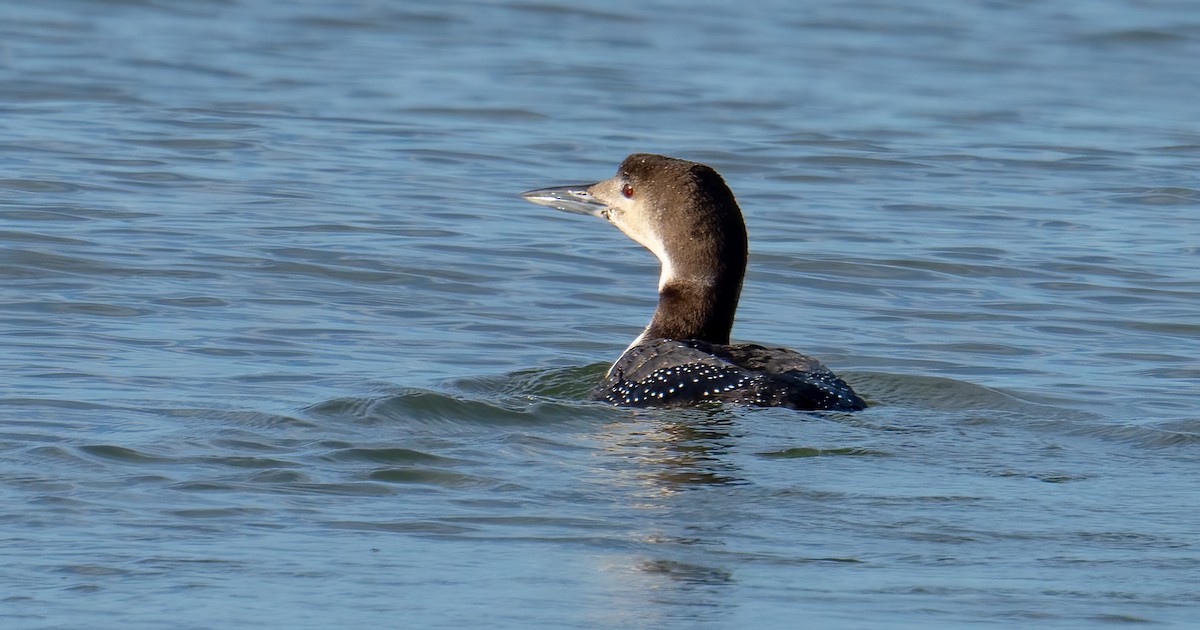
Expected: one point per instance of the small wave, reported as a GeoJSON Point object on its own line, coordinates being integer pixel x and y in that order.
{"type": "Point", "coordinates": [544, 396]}
{"type": "Point", "coordinates": [568, 383]}
{"type": "Point", "coordinates": [977, 405]}
{"type": "Point", "coordinates": [120, 454]}
{"type": "Point", "coordinates": [809, 451]}
{"type": "Point", "coordinates": [1158, 435]}
{"type": "Point", "coordinates": [559, 396]}
{"type": "Point", "coordinates": [932, 392]}
{"type": "Point", "coordinates": [392, 456]}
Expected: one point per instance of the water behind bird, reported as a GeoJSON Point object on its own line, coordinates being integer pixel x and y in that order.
{"type": "Point", "coordinates": [284, 347]}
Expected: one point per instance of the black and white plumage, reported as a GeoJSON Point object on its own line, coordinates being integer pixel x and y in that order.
{"type": "Point", "coordinates": [685, 214]}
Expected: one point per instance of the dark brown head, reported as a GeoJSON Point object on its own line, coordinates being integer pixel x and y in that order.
{"type": "Point", "coordinates": [685, 214]}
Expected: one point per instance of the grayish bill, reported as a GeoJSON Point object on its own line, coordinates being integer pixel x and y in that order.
{"type": "Point", "coordinates": [567, 198]}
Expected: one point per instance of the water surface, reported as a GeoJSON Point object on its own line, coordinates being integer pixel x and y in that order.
{"type": "Point", "coordinates": [283, 347]}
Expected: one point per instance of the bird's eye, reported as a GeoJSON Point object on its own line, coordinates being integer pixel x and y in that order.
{"type": "Point", "coordinates": [627, 190]}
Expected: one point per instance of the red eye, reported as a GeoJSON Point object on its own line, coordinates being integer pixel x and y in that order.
{"type": "Point", "coordinates": [627, 190]}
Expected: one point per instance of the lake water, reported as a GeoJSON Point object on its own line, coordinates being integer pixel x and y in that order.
{"type": "Point", "coordinates": [282, 347]}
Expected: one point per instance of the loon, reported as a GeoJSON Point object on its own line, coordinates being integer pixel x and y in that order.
{"type": "Point", "coordinates": [686, 215]}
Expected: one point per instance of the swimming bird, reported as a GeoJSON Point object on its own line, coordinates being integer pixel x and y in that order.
{"type": "Point", "coordinates": [686, 215]}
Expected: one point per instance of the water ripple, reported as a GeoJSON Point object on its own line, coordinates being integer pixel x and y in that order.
{"type": "Point", "coordinates": [277, 326]}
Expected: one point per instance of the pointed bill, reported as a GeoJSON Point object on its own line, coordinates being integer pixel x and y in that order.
{"type": "Point", "coordinates": [574, 198]}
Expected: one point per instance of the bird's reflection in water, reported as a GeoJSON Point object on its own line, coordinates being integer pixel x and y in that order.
{"type": "Point", "coordinates": [677, 467]}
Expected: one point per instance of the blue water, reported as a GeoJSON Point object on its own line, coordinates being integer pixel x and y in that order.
{"type": "Point", "coordinates": [280, 345]}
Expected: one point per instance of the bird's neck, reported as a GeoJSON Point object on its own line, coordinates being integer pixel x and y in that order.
{"type": "Point", "coordinates": [698, 303]}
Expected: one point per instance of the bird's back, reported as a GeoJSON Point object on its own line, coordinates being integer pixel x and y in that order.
{"type": "Point", "coordinates": [671, 373]}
